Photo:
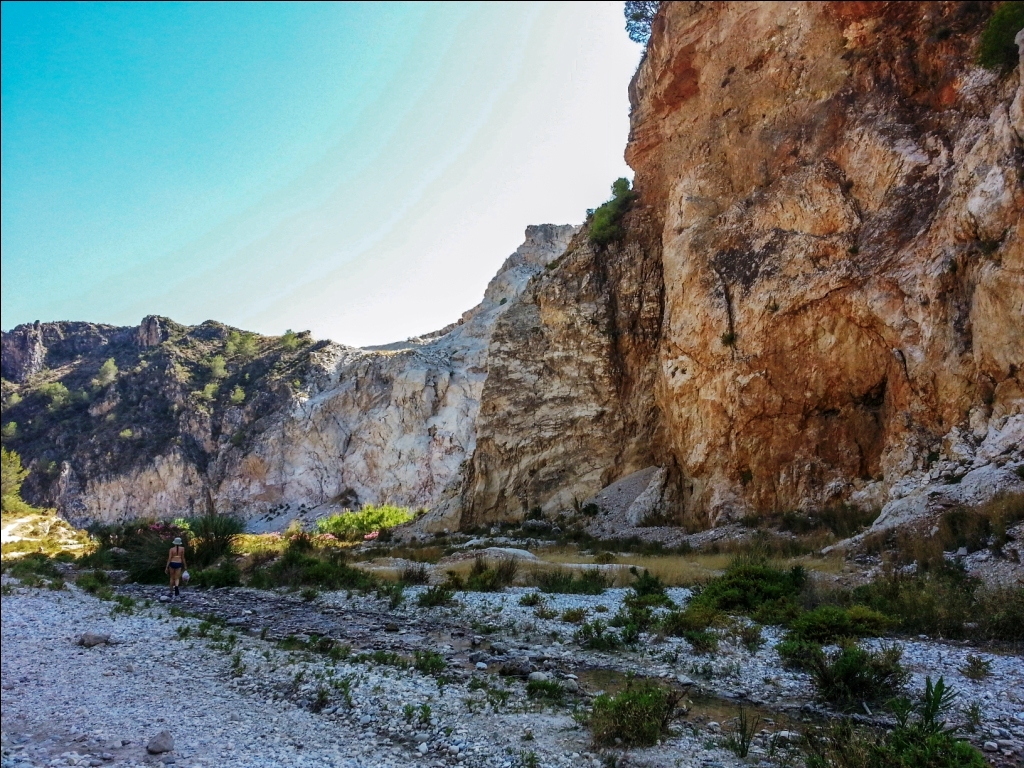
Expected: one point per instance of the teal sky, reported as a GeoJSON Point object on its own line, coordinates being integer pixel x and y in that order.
{"type": "Point", "coordinates": [359, 170]}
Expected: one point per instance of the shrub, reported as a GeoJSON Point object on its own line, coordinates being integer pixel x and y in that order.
{"type": "Point", "coordinates": [565, 582]}
{"type": "Point", "coordinates": [596, 636]}
{"type": "Point", "coordinates": [996, 49]}
{"type": "Point", "coordinates": [920, 739]}
{"type": "Point", "coordinates": [976, 668]}
{"type": "Point", "coordinates": [56, 393]}
{"type": "Point", "coordinates": [605, 224]}
{"type": "Point", "coordinates": [531, 599]}
{"type": "Point", "coordinates": [429, 662]}
{"type": "Point", "coordinates": [748, 586]}
{"type": "Point", "coordinates": [852, 675]}
{"type": "Point", "coordinates": [647, 590]}
{"type": "Point", "coordinates": [355, 525]}
{"type": "Point", "coordinates": [214, 537]}
{"type": "Point", "coordinates": [237, 395]}
{"type": "Point", "coordinates": [227, 575]}
{"type": "Point", "coordinates": [701, 641]}
{"type": "Point", "coordinates": [12, 475]}
{"type": "Point", "coordinates": [218, 368]}
{"type": "Point", "coordinates": [829, 624]}
{"type": "Point", "coordinates": [639, 715]}
{"type": "Point", "coordinates": [107, 373]}
{"type": "Point", "coordinates": [574, 615]}
{"type": "Point", "coordinates": [414, 574]}
{"type": "Point", "coordinates": [435, 596]}
{"type": "Point", "coordinates": [94, 582]}
{"type": "Point", "coordinates": [298, 567]}
{"type": "Point", "coordinates": [551, 690]}
{"type": "Point", "coordinates": [751, 637]}
{"type": "Point", "coordinates": [695, 618]}
{"type": "Point", "coordinates": [485, 578]}
{"type": "Point", "coordinates": [290, 341]}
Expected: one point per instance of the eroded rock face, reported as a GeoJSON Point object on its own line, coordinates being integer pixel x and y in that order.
{"type": "Point", "coordinates": [840, 194]}
{"type": "Point", "coordinates": [395, 423]}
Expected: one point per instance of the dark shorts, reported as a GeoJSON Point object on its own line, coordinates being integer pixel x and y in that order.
{"type": "Point", "coordinates": [174, 566]}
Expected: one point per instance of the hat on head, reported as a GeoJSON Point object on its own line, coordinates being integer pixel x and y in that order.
{"type": "Point", "coordinates": [177, 541]}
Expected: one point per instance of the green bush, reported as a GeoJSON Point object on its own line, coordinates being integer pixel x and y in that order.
{"type": "Point", "coordinates": [748, 587]}
{"type": "Point", "coordinates": [695, 618]}
{"type": "Point", "coordinates": [435, 596]}
{"type": "Point", "coordinates": [996, 49]}
{"type": "Point", "coordinates": [301, 567]}
{"type": "Point", "coordinates": [429, 662]}
{"type": "Point", "coordinates": [646, 590]}
{"type": "Point", "coordinates": [213, 537]}
{"type": "Point", "coordinates": [852, 676]}
{"type": "Point", "coordinates": [701, 641]}
{"type": "Point", "coordinates": [414, 574]}
{"type": "Point", "coordinates": [12, 475]}
{"type": "Point", "coordinates": [596, 636]}
{"type": "Point", "coordinates": [483, 577]}
{"type": "Point", "coordinates": [550, 690]}
{"type": "Point", "coordinates": [920, 739]}
{"type": "Point", "coordinates": [32, 569]}
{"type": "Point", "coordinates": [355, 525]}
{"type": "Point", "coordinates": [226, 575]}
{"type": "Point", "coordinates": [829, 624]}
{"type": "Point", "coordinates": [639, 715]}
{"type": "Point", "coordinates": [606, 222]}
{"type": "Point", "coordinates": [565, 582]}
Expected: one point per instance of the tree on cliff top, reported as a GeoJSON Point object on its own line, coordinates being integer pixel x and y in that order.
{"type": "Point", "coordinates": [639, 15]}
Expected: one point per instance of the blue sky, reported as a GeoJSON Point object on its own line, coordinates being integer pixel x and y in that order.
{"type": "Point", "coordinates": [359, 170]}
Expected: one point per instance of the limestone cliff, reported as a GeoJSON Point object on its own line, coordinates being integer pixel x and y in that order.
{"type": "Point", "coordinates": [839, 190]}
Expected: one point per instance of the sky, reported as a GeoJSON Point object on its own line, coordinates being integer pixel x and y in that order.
{"type": "Point", "coordinates": [359, 170]}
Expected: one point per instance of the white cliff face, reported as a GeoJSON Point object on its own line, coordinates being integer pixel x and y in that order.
{"type": "Point", "coordinates": [387, 424]}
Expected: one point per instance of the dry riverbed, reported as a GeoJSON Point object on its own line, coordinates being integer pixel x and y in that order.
{"type": "Point", "coordinates": [250, 689]}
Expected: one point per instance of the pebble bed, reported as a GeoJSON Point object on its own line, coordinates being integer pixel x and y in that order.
{"type": "Point", "coordinates": [232, 698]}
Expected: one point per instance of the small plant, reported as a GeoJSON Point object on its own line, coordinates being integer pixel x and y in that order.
{"type": "Point", "coordinates": [394, 593]}
{"type": "Point", "coordinates": [976, 668]}
{"type": "Point", "coordinates": [542, 611]}
{"type": "Point", "coordinates": [973, 716]}
{"type": "Point", "coordinates": [728, 339]}
{"type": "Point", "coordinates": [701, 641]}
{"type": "Point", "coordinates": [424, 710]}
{"type": "Point", "coordinates": [853, 676]}
{"type": "Point", "coordinates": [529, 759]}
{"type": "Point", "coordinates": [550, 690]}
{"type": "Point", "coordinates": [596, 636]}
{"type": "Point", "coordinates": [751, 637]}
{"type": "Point", "coordinates": [413, 575]}
{"type": "Point", "coordinates": [605, 222]}
{"type": "Point", "coordinates": [435, 596]}
{"type": "Point", "coordinates": [321, 699]}
{"type": "Point", "coordinates": [309, 594]}
{"type": "Point", "coordinates": [429, 662]}
{"type": "Point", "coordinates": [531, 599]}
{"type": "Point", "coordinates": [408, 712]}
{"type": "Point", "coordinates": [738, 742]}
{"type": "Point", "coordinates": [638, 716]}
{"type": "Point", "coordinates": [574, 615]}
{"type": "Point", "coordinates": [183, 631]}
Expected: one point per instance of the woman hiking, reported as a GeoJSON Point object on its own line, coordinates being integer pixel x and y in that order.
{"type": "Point", "coordinates": [175, 565]}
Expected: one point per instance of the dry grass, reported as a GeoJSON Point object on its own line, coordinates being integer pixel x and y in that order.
{"type": "Point", "coordinates": [682, 570]}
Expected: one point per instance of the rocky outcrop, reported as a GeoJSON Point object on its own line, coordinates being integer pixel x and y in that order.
{"type": "Point", "coordinates": [840, 192]}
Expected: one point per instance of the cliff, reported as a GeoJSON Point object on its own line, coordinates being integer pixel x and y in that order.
{"type": "Point", "coordinates": [839, 190]}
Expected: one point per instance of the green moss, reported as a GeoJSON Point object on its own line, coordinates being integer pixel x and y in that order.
{"type": "Point", "coordinates": [996, 48]}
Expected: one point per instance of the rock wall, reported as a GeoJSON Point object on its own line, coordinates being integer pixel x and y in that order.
{"type": "Point", "coordinates": [840, 191]}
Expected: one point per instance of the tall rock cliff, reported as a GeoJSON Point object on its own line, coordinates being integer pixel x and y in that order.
{"type": "Point", "coordinates": [840, 195]}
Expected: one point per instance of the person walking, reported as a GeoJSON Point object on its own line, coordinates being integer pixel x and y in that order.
{"type": "Point", "coordinates": [175, 565]}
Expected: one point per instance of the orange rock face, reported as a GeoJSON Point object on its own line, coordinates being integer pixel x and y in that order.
{"type": "Point", "coordinates": [839, 194]}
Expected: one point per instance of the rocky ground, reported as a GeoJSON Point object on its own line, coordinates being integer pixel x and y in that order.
{"type": "Point", "coordinates": [257, 686]}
